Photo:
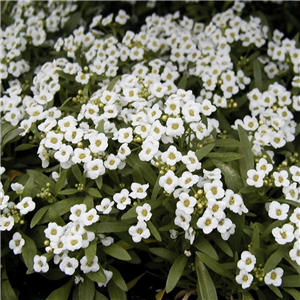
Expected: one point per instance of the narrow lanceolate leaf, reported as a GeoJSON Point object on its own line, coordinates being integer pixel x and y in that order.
{"type": "Point", "coordinates": [183, 81]}
{"type": "Point", "coordinates": [205, 286]}
{"type": "Point", "coordinates": [98, 276]}
{"type": "Point", "coordinates": [232, 178]}
{"type": "Point", "coordinates": [38, 216]}
{"type": "Point", "coordinates": [86, 289]}
{"type": "Point", "coordinates": [99, 296]}
{"type": "Point", "coordinates": [115, 293]}
{"type": "Point", "coordinates": [275, 258]}
{"type": "Point", "coordinates": [204, 246]}
{"type": "Point", "coordinates": [247, 162]}
{"type": "Point", "coordinates": [214, 265]}
{"type": "Point", "coordinates": [7, 292]}
{"type": "Point", "coordinates": [108, 227]}
{"type": "Point", "coordinates": [291, 281]}
{"type": "Point", "coordinates": [118, 279]}
{"type": "Point", "coordinates": [176, 272]}
{"type": "Point", "coordinates": [63, 292]}
{"type": "Point", "coordinates": [164, 253]}
{"type": "Point", "coordinates": [28, 251]}
{"type": "Point", "coordinates": [228, 143]}
{"type": "Point", "coordinates": [257, 74]}
{"type": "Point", "coordinates": [293, 292]}
{"type": "Point", "coordinates": [201, 153]}
{"type": "Point", "coordinates": [247, 296]}
{"type": "Point", "coordinates": [154, 231]}
{"type": "Point", "coordinates": [60, 182]}
{"type": "Point", "coordinates": [113, 83]}
{"type": "Point", "coordinates": [117, 251]}
{"type": "Point", "coordinates": [91, 250]}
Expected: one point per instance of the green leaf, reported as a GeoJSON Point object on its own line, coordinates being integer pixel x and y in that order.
{"type": "Point", "coordinates": [61, 181]}
{"type": "Point", "coordinates": [90, 251]}
{"type": "Point", "coordinates": [134, 281]}
{"type": "Point", "coordinates": [214, 265]}
{"type": "Point", "coordinates": [255, 237]}
{"type": "Point", "coordinates": [112, 83]}
{"type": "Point", "coordinates": [118, 279]}
{"type": "Point", "coordinates": [28, 251]}
{"type": "Point", "coordinates": [41, 179]}
{"type": "Point", "coordinates": [68, 192]}
{"type": "Point", "coordinates": [10, 137]}
{"type": "Point", "coordinates": [156, 189]}
{"type": "Point", "coordinates": [223, 245]}
{"type": "Point", "coordinates": [117, 251]}
{"type": "Point", "coordinates": [202, 152]}
{"type": "Point", "coordinates": [228, 143]}
{"type": "Point", "coordinates": [131, 213]}
{"type": "Point", "coordinates": [28, 187]}
{"type": "Point", "coordinates": [7, 292]}
{"type": "Point", "coordinates": [72, 23]}
{"type": "Point", "coordinates": [232, 179]}
{"type": "Point", "coordinates": [154, 231]}
{"type": "Point", "coordinates": [99, 296]}
{"type": "Point", "coordinates": [108, 227]}
{"type": "Point", "coordinates": [276, 290]}
{"type": "Point", "coordinates": [183, 81]}
{"type": "Point", "coordinates": [98, 276]}
{"type": "Point", "coordinates": [247, 162]}
{"type": "Point", "coordinates": [257, 74]}
{"type": "Point", "coordinates": [247, 296]}
{"type": "Point", "coordinates": [99, 182]}
{"type": "Point", "coordinates": [63, 292]}
{"type": "Point", "coordinates": [63, 206]}
{"type": "Point", "coordinates": [275, 258]}
{"type": "Point", "coordinates": [38, 216]}
{"type": "Point", "coordinates": [294, 293]}
{"type": "Point", "coordinates": [115, 293]}
{"type": "Point", "coordinates": [164, 253]}
{"type": "Point", "coordinates": [205, 286]}
{"type": "Point", "coordinates": [204, 245]}
{"type": "Point", "coordinates": [176, 272]}
{"type": "Point", "coordinates": [292, 281]}
{"type": "Point", "coordinates": [94, 192]}
{"type": "Point", "coordinates": [77, 173]}
{"type": "Point", "coordinates": [226, 156]}
{"type": "Point", "coordinates": [86, 289]}
{"type": "Point", "coordinates": [25, 147]}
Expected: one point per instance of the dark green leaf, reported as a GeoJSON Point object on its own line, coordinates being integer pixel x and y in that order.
{"type": "Point", "coordinates": [116, 251]}
{"type": "Point", "coordinates": [25, 147]}
{"type": "Point", "coordinates": [183, 81]}
{"type": "Point", "coordinates": [257, 74]}
{"type": "Point", "coordinates": [98, 276]}
{"type": "Point", "coordinates": [86, 289]}
{"type": "Point", "coordinates": [11, 136]}
{"type": "Point", "coordinates": [109, 227]}
{"type": "Point", "coordinates": [293, 292]}
{"type": "Point", "coordinates": [154, 231]}
{"type": "Point", "coordinates": [38, 216]}
{"type": "Point", "coordinates": [73, 22]}
{"type": "Point", "coordinates": [204, 246]}
{"type": "Point", "coordinates": [164, 253]}
{"type": "Point", "coordinates": [223, 245]}
{"type": "Point", "coordinates": [68, 192]}
{"type": "Point", "coordinates": [7, 292]}
{"type": "Point", "coordinates": [291, 281]}
{"type": "Point", "coordinates": [205, 286]}
{"type": "Point", "coordinates": [94, 192]}
{"type": "Point", "coordinates": [63, 292]}
{"type": "Point", "coordinates": [214, 265]}
{"type": "Point", "coordinates": [275, 258]}
{"type": "Point", "coordinates": [202, 152]}
{"type": "Point", "coordinates": [276, 290]}
{"type": "Point", "coordinates": [61, 181]}
{"type": "Point", "coordinates": [228, 143]}
{"type": "Point", "coordinates": [118, 279]}
{"type": "Point", "coordinates": [28, 251]}
{"type": "Point", "coordinates": [99, 296]}
{"type": "Point", "coordinates": [232, 179]}
{"type": "Point", "coordinates": [113, 82]}
{"type": "Point", "coordinates": [115, 293]}
{"type": "Point", "coordinates": [77, 173]}
{"type": "Point", "coordinates": [90, 251]}
{"type": "Point", "coordinates": [225, 157]}
{"type": "Point", "coordinates": [176, 272]}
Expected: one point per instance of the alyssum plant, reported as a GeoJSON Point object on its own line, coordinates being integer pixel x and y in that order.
{"type": "Point", "coordinates": [177, 142]}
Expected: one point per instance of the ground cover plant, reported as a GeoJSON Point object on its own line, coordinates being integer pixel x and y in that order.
{"type": "Point", "coordinates": [159, 138]}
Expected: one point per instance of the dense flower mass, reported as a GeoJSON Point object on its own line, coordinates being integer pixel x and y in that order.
{"type": "Point", "coordinates": [178, 139]}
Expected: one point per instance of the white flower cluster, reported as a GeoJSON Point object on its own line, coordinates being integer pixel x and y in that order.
{"type": "Point", "coordinates": [247, 264]}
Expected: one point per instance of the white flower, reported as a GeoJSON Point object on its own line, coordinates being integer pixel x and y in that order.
{"type": "Point", "coordinates": [214, 190]}
{"type": "Point", "coordinates": [73, 242]}
{"type": "Point", "coordinates": [64, 153]}
{"type": "Point", "coordinates": [295, 171]}
{"type": "Point", "coordinates": [278, 211]}
{"type": "Point", "coordinates": [108, 275]}
{"type": "Point", "coordinates": [169, 181]}
{"type": "Point", "coordinates": [16, 243]}
{"type": "Point", "coordinates": [105, 240]}
{"type": "Point", "coordinates": [17, 187]}
{"type": "Point", "coordinates": [264, 166]}
{"type": "Point", "coordinates": [94, 168]}
{"type": "Point", "coordinates": [274, 277]}
{"type": "Point", "coordinates": [171, 156]}
{"type": "Point", "coordinates": [53, 140]}
{"type": "Point", "coordinates": [87, 266]}
{"type": "Point", "coordinates": [188, 179]}
{"type": "Point", "coordinates": [247, 261]}
{"type": "Point", "coordinates": [244, 278]}
{"type": "Point", "coordinates": [40, 264]}
{"type": "Point", "coordinates": [139, 231]}
{"type": "Point", "coordinates": [255, 178]}
{"type": "Point", "coordinates": [281, 178]}
{"type": "Point", "coordinates": [53, 232]}
{"type": "Point", "coordinates": [191, 161]}
{"type": "Point", "coordinates": [207, 222]}
{"type": "Point", "coordinates": [81, 155]}
{"type": "Point", "coordinates": [295, 253]}
{"type": "Point", "coordinates": [284, 235]}
{"type": "Point", "coordinates": [98, 143]}
{"type": "Point", "coordinates": [216, 208]}
{"type": "Point", "coordinates": [182, 219]}
{"type": "Point", "coordinates": [26, 205]}
{"type": "Point", "coordinates": [143, 212]}
{"type": "Point", "coordinates": [139, 190]}
{"type": "Point", "coordinates": [77, 211]}
{"type": "Point", "coordinates": [112, 162]}
{"type": "Point", "coordinates": [105, 206]}
{"type": "Point", "coordinates": [89, 217]}
{"type": "Point", "coordinates": [122, 199]}
{"type": "Point", "coordinates": [68, 265]}
{"type": "Point", "coordinates": [186, 203]}
{"type": "Point", "coordinates": [295, 216]}
{"type": "Point", "coordinates": [207, 108]}
{"type": "Point", "coordinates": [4, 200]}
